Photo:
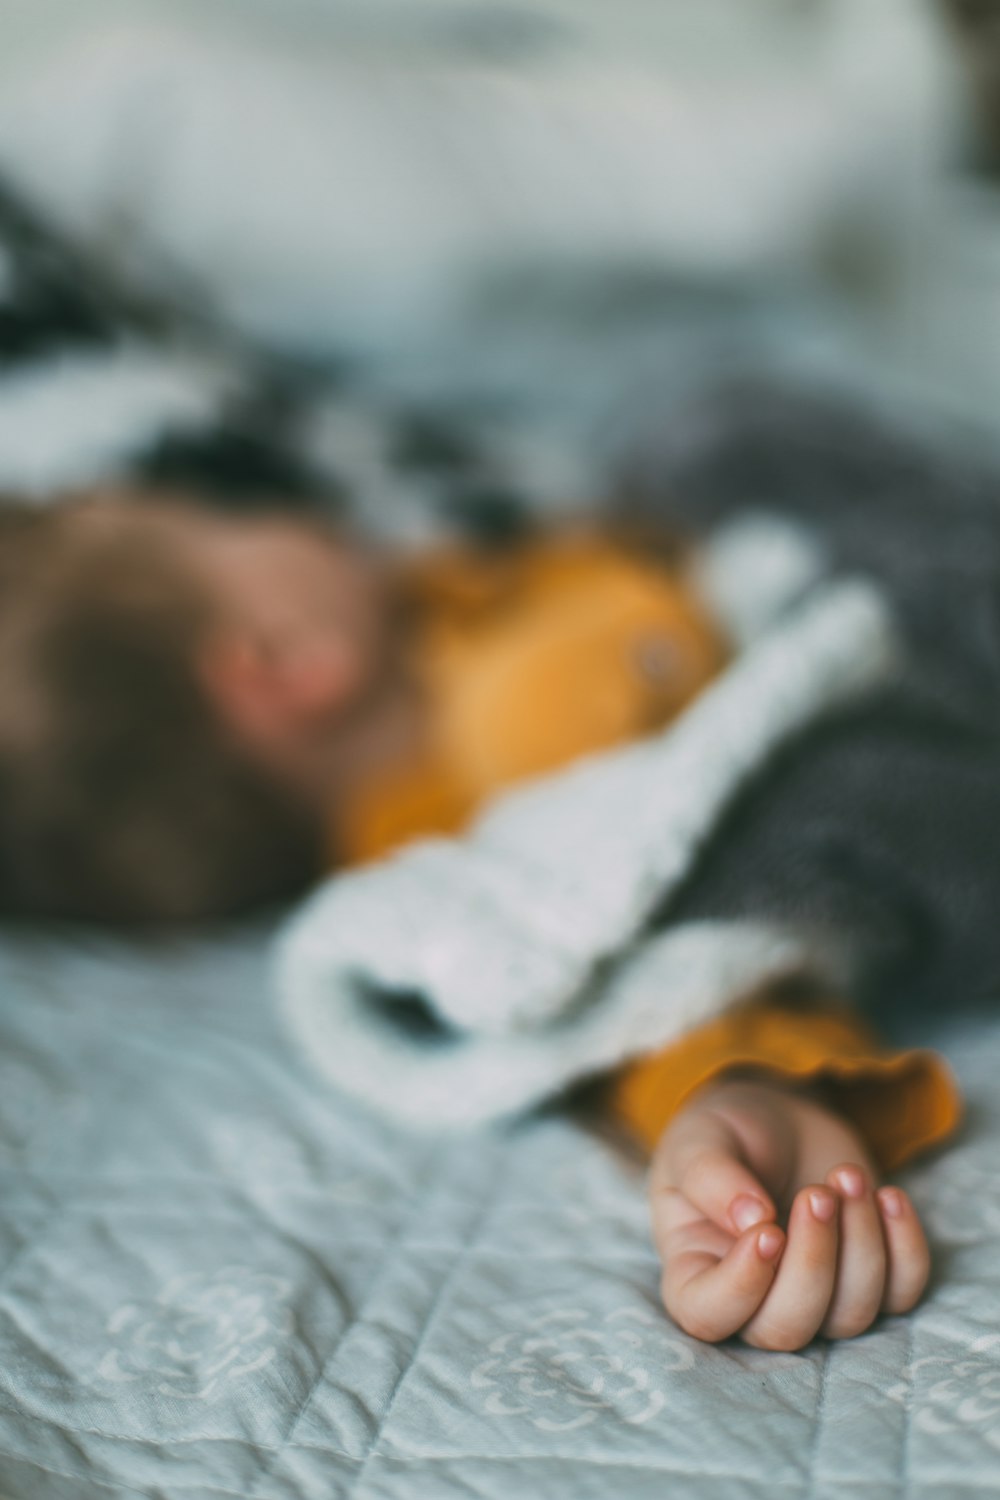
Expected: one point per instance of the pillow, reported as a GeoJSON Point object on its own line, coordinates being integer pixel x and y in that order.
{"type": "Point", "coordinates": [355, 172]}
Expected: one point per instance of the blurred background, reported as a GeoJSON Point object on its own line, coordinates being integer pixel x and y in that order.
{"type": "Point", "coordinates": [548, 205]}
{"type": "Point", "coordinates": [433, 262]}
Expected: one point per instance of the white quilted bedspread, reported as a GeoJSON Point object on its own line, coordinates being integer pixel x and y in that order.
{"type": "Point", "coordinates": [218, 1279]}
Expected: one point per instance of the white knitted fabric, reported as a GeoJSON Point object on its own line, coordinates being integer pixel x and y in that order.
{"type": "Point", "coordinates": [523, 939]}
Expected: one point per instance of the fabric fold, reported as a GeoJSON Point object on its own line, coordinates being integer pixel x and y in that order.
{"type": "Point", "coordinates": [523, 940]}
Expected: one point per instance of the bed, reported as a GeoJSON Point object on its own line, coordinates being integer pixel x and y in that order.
{"type": "Point", "coordinates": [220, 1279]}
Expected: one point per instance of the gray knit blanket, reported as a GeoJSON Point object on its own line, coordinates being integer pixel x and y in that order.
{"type": "Point", "coordinates": [525, 943]}
{"type": "Point", "coordinates": [828, 806]}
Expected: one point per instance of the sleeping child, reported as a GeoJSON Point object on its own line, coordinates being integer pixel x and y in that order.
{"type": "Point", "coordinates": [202, 712]}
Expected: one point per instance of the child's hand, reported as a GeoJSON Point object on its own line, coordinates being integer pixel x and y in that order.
{"type": "Point", "coordinates": [736, 1155]}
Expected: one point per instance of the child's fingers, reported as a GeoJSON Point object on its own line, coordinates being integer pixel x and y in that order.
{"type": "Point", "coordinates": [701, 1157]}
{"type": "Point", "coordinates": [712, 1297]}
{"type": "Point", "coordinates": [794, 1309]}
{"type": "Point", "coordinates": [908, 1259]}
{"type": "Point", "coordinates": [857, 1296]}
{"type": "Point", "coordinates": [678, 1226]}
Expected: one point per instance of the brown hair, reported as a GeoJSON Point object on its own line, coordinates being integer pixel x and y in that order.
{"type": "Point", "coordinates": [122, 798]}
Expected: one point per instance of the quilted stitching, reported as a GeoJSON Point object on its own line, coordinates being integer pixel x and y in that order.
{"type": "Point", "coordinates": [217, 1279]}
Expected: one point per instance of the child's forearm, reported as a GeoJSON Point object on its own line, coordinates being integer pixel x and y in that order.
{"type": "Point", "coordinates": [901, 1102]}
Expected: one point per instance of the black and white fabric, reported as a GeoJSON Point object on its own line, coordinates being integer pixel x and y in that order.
{"type": "Point", "coordinates": [101, 382]}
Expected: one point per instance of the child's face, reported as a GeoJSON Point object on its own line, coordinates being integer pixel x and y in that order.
{"type": "Point", "coordinates": [302, 638]}
{"type": "Point", "coordinates": [300, 593]}
{"type": "Point", "coordinates": [299, 631]}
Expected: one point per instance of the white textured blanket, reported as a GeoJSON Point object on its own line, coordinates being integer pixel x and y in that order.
{"type": "Point", "coordinates": [522, 943]}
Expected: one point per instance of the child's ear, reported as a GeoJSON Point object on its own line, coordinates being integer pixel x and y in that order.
{"type": "Point", "coordinates": [265, 692]}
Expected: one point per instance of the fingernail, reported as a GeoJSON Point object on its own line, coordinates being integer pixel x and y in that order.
{"type": "Point", "coordinates": [851, 1181]}
{"type": "Point", "coordinates": [891, 1200]}
{"type": "Point", "coordinates": [823, 1206]}
{"type": "Point", "coordinates": [746, 1211]}
{"type": "Point", "coordinates": [769, 1242]}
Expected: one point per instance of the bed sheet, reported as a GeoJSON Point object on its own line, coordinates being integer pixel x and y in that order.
{"type": "Point", "coordinates": [218, 1279]}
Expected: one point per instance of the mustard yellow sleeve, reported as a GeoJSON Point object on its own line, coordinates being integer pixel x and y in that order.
{"type": "Point", "coordinates": [902, 1102]}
